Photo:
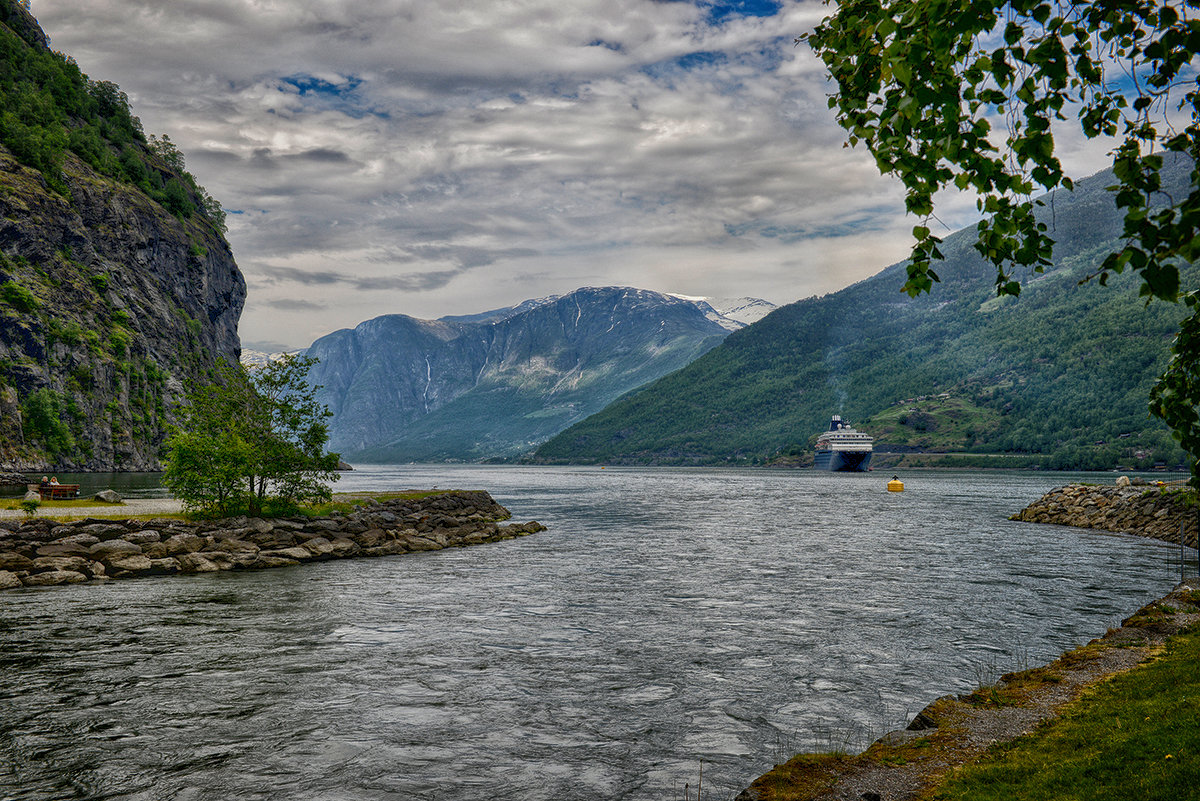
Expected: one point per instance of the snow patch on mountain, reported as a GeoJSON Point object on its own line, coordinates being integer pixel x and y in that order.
{"type": "Point", "coordinates": [731, 313]}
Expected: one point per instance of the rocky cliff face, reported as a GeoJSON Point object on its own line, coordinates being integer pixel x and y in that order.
{"type": "Point", "coordinates": [109, 300]}
{"type": "Point", "coordinates": [108, 303]}
{"type": "Point", "coordinates": [403, 389]}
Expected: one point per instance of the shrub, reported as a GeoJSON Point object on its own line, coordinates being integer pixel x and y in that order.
{"type": "Point", "coordinates": [18, 296]}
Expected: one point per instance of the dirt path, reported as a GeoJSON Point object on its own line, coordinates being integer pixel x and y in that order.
{"type": "Point", "coordinates": [951, 731]}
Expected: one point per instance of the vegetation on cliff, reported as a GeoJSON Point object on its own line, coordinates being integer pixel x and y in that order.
{"type": "Point", "coordinates": [51, 108]}
{"type": "Point", "coordinates": [116, 282]}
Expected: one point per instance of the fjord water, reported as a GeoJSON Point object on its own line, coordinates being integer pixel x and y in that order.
{"type": "Point", "coordinates": [668, 617]}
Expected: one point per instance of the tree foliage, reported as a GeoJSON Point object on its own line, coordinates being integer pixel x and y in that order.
{"type": "Point", "coordinates": [45, 414]}
{"type": "Point", "coordinates": [253, 442]}
{"type": "Point", "coordinates": [970, 94]}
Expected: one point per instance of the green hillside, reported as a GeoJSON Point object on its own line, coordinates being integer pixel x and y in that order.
{"type": "Point", "coordinates": [1062, 373]}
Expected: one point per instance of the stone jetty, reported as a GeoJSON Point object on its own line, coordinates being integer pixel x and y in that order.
{"type": "Point", "coordinates": [43, 552]}
{"type": "Point", "coordinates": [1158, 512]}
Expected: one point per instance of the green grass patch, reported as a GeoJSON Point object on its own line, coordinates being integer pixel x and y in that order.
{"type": "Point", "coordinates": [71, 504]}
{"type": "Point", "coordinates": [1134, 736]}
{"type": "Point", "coordinates": [953, 423]}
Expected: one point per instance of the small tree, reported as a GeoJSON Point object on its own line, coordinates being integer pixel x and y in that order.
{"type": "Point", "coordinates": [254, 439]}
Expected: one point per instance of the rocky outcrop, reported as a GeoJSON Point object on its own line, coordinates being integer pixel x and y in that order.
{"type": "Point", "coordinates": [126, 302]}
{"type": "Point", "coordinates": [42, 552]}
{"type": "Point", "coordinates": [1158, 512]}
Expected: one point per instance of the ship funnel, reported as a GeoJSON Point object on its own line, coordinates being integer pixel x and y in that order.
{"type": "Point", "coordinates": [836, 423]}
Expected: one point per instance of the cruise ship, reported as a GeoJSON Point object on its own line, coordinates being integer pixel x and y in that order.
{"type": "Point", "coordinates": [843, 448]}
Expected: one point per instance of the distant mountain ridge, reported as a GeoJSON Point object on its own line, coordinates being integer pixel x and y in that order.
{"type": "Point", "coordinates": [729, 313]}
{"type": "Point", "coordinates": [1063, 372]}
{"type": "Point", "coordinates": [495, 384]}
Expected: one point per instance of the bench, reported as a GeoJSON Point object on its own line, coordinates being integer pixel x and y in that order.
{"type": "Point", "coordinates": [58, 492]}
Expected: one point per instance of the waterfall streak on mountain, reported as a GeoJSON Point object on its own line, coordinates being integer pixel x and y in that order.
{"type": "Point", "coordinates": [428, 382]}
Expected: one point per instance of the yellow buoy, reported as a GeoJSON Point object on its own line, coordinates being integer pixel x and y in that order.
{"type": "Point", "coordinates": [895, 485]}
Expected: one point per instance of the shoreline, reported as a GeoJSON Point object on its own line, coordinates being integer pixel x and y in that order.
{"type": "Point", "coordinates": [953, 731]}
{"type": "Point", "coordinates": [44, 551]}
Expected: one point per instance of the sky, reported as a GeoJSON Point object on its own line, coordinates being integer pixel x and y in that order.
{"type": "Point", "coordinates": [436, 157]}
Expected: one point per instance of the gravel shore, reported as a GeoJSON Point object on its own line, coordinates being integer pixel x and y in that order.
{"type": "Point", "coordinates": [131, 507]}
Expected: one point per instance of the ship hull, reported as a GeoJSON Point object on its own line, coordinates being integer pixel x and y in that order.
{"type": "Point", "coordinates": [843, 461]}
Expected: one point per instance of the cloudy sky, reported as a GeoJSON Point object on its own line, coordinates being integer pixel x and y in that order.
{"type": "Point", "coordinates": [432, 157]}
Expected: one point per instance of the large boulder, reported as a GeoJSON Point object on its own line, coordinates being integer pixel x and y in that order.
{"type": "Point", "coordinates": [129, 565]}
{"type": "Point", "coordinates": [144, 537]}
{"type": "Point", "coordinates": [61, 548]}
{"type": "Point", "coordinates": [75, 564]}
{"type": "Point", "coordinates": [107, 496]}
{"type": "Point", "coordinates": [184, 543]}
{"type": "Point", "coordinates": [195, 563]}
{"type": "Point", "coordinates": [53, 578]}
{"type": "Point", "coordinates": [10, 560]}
{"type": "Point", "coordinates": [114, 549]}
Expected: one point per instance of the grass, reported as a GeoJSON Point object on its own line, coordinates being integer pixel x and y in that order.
{"type": "Point", "coordinates": [346, 502]}
{"type": "Point", "coordinates": [953, 423]}
{"type": "Point", "coordinates": [1134, 736]}
{"type": "Point", "coordinates": [343, 502]}
{"type": "Point", "coordinates": [73, 503]}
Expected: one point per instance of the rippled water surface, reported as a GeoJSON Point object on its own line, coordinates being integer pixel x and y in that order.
{"type": "Point", "coordinates": [667, 618]}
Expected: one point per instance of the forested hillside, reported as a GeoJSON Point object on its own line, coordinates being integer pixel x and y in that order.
{"type": "Point", "coordinates": [116, 282]}
{"type": "Point", "coordinates": [1064, 371]}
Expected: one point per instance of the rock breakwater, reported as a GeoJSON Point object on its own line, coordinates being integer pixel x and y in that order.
{"type": "Point", "coordinates": [1160, 513]}
{"type": "Point", "coordinates": [44, 552]}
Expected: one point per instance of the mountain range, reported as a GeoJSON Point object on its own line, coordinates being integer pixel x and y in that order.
{"type": "Point", "coordinates": [1060, 375]}
{"type": "Point", "coordinates": [497, 383]}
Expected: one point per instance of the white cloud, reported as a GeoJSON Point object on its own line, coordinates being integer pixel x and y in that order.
{"type": "Point", "coordinates": [436, 158]}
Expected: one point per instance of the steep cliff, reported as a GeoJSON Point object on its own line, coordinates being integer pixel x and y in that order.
{"type": "Point", "coordinates": [116, 282]}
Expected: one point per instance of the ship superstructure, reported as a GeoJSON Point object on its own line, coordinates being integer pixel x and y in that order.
{"type": "Point", "coordinates": [842, 448]}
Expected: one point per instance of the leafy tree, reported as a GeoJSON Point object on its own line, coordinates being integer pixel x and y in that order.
{"type": "Point", "coordinates": [44, 415]}
{"type": "Point", "coordinates": [968, 93]}
{"type": "Point", "coordinates": [253, 441]}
